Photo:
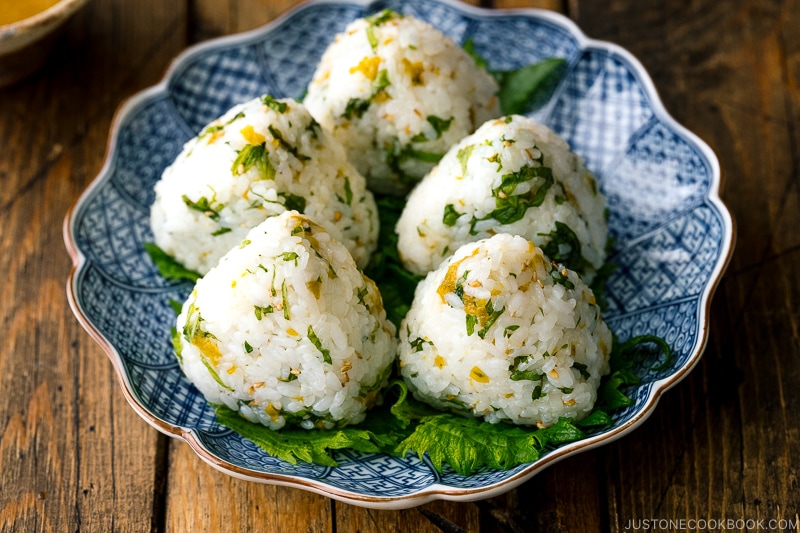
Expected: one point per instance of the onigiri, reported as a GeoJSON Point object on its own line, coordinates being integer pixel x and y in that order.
{"type": "Point", "coordinates": [502, 333]}
{"type": "Point", "coordinates": [397, 93]}
{"type": "Point", "coordinates": [259, 159]}
{"type": "Point", "coordinates": [513, 175]}
{"type": "Point", "coordinates": [286, 330]}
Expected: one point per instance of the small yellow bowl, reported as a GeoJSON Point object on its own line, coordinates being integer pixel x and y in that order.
{"type": "Point", "coordinates": [26, 43]}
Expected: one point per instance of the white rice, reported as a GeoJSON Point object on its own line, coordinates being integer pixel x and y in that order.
{"type": "Point", "coordinates": [287, 330]}
{"type": "Point", "coordinates": [533, 351]}
{"type": "Point", "coordinates": [397, 93]}
{"type": "Point", "coordinates": [462, 199]}
{"type": "Point", "coordinates": [207, 200]}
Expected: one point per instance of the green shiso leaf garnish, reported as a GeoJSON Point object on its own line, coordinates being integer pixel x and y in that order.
{"type": "Point", "coordinates": [467, 444]}
{"type": "Point", "coordinates": [167, 266]}
{"type": "Point", "coordinates": [297, 444]}
{"type": "Point", "coordinates": [526, 88]}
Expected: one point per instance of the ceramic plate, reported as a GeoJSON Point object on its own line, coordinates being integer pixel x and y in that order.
{"type": "Point", "coordinates": [673, 236]}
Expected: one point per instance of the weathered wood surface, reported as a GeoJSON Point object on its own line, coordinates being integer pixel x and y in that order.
{"type": "Point", "coordinates": [722, 445]}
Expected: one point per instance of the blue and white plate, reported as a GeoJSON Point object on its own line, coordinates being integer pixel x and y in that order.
{"type": "Point", "coordinates": [673, 235]}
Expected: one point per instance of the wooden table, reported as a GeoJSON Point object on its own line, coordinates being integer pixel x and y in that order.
{"type": "Point", "coordinates": [722, 445]}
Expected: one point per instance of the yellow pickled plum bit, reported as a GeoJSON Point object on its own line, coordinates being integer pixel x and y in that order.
{"type": "Point", "coordinates": [315, 287]}
{"type": "Point", "coordinates": [273, 413]}
{"type": "Point", "coordinates": [368, 67]}
{"type": "Point", "coordinates": [251, 135]}
{"type": "Point", "coordinates": [208, 348]}
{"type": "Point", "coordinates": [451, 277]}
{"type": "Point", "coordinates": [414, 70]}
{"type": "Point", "coordinates": [476, 374]}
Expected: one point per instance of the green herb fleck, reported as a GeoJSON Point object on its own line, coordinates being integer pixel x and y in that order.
{"type": "Point", "coordinates": [274, 104]}
{"type": "Point", "coordinates": [203, 205]}
{"type": "Point", "coordinates": [510, 207]}
{"type": "Point", "coordinates": [492, 318]}
{"type": "Point", "coordinates": [582, 369]}
{"type": "Point", "coordinates": [326, 354]}
{"type": "Point", "coordinates": [450, 215]}
{"type": "Point", "coordinates": [214, 128]}
{"type": "Point", "coordinates": [221, 231]}
{"type": "Point", "coordinates": [293, 202]}
{"type": "Point", "coordinates": [278, 136]}
{"type": "Point", "coordinates": [537, 393]}
{"type": "Point", "coordinates": [356, 107]}
{"type": "Point", "coordinates": [463, 156]}
{"type": "Point", "coordinates": [260, 311]}
{"type": "Point", "coordinates": [416, 344]}
{"type": "Point", "coordinates": [376, 20]}
{"type": "Point", "coordinates": [285, 300]}
{"type": "Point", "coordinates": [472, 321]}
{"type": "Point", "coordinates": [560, 277]}
{"type": "Point", "coordinates": [254, 155]}
{"type": "Point", "coordinates": [440, 126]}
{"type": "Point", "coordinates": [380, 82]}
{"type": "Point", "coordinates": [348, 191]}
{"type": "Point", "coordinates": [289, 256]}
{"type": "Point", "coordinates": [214, 374]}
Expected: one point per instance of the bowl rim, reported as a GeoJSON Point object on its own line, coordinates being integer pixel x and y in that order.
{"type": "Point", "coordinates": [54, 14]}
{"type": "Point", "coordinates": [435, 491]}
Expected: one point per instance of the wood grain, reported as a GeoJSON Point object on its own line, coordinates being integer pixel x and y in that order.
{"type": "Point", "coordinates": [722, 444]}
{"type": "Point", "coordinates": [73, 454]}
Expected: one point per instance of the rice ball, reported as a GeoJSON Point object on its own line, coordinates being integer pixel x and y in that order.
{"type": "Point", "coordinates": [513, 175]}
{"type": "Point", "coordinates": [397, 93]}
{"type": "Point", "coordinates": [259, 159]}
{"type": "Point", "coordinates": [500, 332]}
{"type": "Point", "coordinates": [286, 329]}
